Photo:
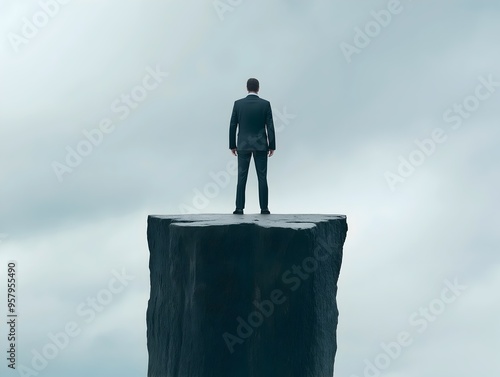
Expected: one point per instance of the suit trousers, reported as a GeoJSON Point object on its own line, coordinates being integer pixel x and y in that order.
{"type": "Point", "coordinates": [260, 160]}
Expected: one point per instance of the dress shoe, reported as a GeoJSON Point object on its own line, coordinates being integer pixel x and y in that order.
{"type": "Point", "coordinates": [265, 212]}
{"type": "Point", "coordinates": [238, 211]}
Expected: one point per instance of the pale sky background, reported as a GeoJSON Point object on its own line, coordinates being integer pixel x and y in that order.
{"type": "Point", "coordinates": [348, 124]}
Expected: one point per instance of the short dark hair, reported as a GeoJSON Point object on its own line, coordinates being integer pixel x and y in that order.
{"type": "Point", "coordinates": [253, 85]}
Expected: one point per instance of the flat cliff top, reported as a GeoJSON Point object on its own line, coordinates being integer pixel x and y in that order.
{"type": "Point", "coordinates": [295, 221]}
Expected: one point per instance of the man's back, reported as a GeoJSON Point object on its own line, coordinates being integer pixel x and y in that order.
{"type": "Point", "coordinates": [253, 114]}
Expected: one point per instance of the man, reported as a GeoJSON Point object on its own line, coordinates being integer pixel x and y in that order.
{"type": "Point", "coordinates": [253, 114]}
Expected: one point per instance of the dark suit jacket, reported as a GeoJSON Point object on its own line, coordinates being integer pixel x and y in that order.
{"type": "Point", "coordinates": [253, 114]}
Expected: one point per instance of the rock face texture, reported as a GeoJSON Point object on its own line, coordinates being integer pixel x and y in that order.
{"type": "Point", "coordinates": [243, 295]}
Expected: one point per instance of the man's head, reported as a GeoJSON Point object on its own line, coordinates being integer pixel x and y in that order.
{"type": "Point", "coordinates": [253, 85]}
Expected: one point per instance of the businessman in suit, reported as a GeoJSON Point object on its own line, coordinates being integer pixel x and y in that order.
{"type": "Point", "coordinates": [253, 115]}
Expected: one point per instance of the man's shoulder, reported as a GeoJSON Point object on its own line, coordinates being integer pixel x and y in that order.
{"type": "Point", "coordinates": [252, 98]}
{"type": "Point", "coordinates": [265, 102]}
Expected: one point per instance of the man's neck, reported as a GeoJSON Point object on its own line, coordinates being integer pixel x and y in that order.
{"type": "Point", "coordinates": [253, 93]}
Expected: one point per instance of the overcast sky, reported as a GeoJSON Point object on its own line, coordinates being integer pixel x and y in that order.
{"type": "Point", "coordinates": [385, 111]}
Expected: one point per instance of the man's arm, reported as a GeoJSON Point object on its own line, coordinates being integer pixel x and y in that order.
{"type": "Point", "coordinates": [270, 129]}
{"type": "Point", "coordinates": [232, 127]}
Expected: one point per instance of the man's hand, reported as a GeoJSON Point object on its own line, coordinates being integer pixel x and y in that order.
{"type": "Point", "coordinates": [271, 152]}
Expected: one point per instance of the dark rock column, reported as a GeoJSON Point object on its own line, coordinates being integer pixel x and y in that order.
{"type": "Point", "coordinates": [243, 295]}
